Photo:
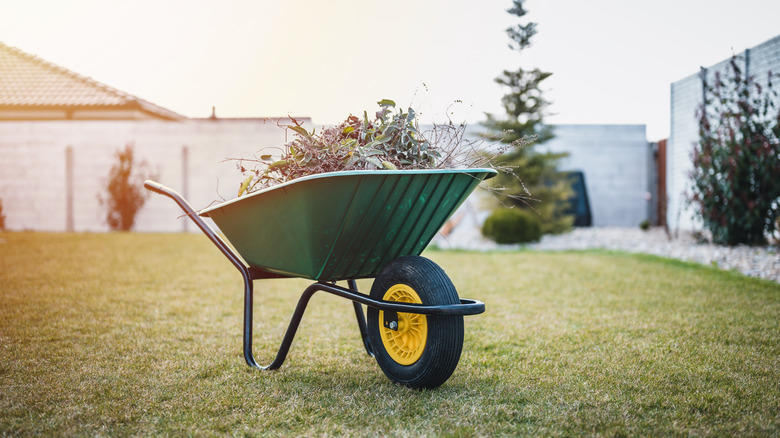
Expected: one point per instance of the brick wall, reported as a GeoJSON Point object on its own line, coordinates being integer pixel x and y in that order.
{"type": "Point", "coordinates": [686, 96]}
{"type": "Point", "coordinates": [33, 178]}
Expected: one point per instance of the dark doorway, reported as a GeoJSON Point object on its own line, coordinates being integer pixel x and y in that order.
{"type": "Point", "coordinates": [580, 205]}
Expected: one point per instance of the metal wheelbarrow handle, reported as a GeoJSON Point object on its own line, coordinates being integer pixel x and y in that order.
{"type": "Point", "coordinates": [156, 187]}
{"type": "Point", "coordinates": [249, 275]}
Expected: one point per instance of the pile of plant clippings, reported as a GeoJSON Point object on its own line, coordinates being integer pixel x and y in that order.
{"type": "Point", "coordinates": [390, 140]}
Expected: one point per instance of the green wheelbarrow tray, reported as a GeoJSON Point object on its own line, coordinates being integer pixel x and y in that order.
{"type": "Point", "coordinates": [351, 225]}
{"type": "Point", "coordinates": [343, 225]}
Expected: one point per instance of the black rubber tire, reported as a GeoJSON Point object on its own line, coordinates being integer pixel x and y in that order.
{"type": "Point", "coordinates": [445, 333]}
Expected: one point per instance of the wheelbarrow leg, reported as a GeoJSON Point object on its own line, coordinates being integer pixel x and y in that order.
{"type": "Point", "coordinates": [248, 306]}
{"type": "Point", "coordinates": [295, 321]}
{"type": "Point", "coordinates": [361, 320]}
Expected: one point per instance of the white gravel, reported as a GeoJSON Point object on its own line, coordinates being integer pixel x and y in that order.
{"type": "Point", "coordinates": [763, 262]}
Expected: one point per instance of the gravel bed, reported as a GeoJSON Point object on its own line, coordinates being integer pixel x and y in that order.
{"type": "Point", "coordinates": [762, 262]}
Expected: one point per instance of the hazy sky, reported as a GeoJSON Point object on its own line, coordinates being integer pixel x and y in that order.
{"type": "Point", "coordinates": [612, 60]}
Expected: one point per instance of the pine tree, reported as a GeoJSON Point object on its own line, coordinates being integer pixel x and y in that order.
{"type": "Point", "coordinates": [536, 184]}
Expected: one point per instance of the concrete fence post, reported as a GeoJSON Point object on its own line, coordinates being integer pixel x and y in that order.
{"type": "Point", "coordinates": [185, 158]}
{"type": "Point", "coordinates": [69, 189]}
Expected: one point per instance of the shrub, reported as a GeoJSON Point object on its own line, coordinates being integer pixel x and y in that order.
{"type": "Point", "coordinates": [2, 217]}
{"type": "Point", "coordinates": [124, 194]}
{"type": "Point", "coordinates": [512, 225]}
{"type": "Point", "coordinates": [736, 161]}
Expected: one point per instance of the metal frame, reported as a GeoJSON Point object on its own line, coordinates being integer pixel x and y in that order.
{"type": "Point", "coordinates": [249, 274]}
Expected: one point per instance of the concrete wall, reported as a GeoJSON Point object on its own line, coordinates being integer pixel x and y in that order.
{"type": "Point", "coordinates": [34, 185]}
{"type": "Point", "coordinates": [615, 160]}
{"type": "Point", "coordinates": [686, 97]}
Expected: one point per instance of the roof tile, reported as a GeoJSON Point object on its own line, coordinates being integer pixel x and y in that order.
{"type": "Point", "coordinates": [27, 81]}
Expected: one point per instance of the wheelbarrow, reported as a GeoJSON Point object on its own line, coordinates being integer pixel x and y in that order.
{"type": "Point", "coordinates": [344, 226]}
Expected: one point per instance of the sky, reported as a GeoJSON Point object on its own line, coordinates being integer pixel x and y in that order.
{"type": "Point", "coordinates": [612, 61]}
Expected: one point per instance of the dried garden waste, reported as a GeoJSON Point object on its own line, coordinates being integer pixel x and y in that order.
{"type": "Point", "coordinates": [392, 139]}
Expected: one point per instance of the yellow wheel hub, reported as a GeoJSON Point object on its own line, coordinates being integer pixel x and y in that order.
{"type": "Point", "coordinates": [406, 344]}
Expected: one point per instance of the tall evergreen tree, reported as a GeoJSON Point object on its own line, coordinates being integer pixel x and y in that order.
{"type": "Point", "coordinates": [536, 184]}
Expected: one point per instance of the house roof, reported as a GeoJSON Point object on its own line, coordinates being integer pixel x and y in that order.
{"type": "Point", "coordinates": [29, 83]}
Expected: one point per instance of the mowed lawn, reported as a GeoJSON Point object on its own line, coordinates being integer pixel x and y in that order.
{"type": "Point", "coordinates": [140, 334]}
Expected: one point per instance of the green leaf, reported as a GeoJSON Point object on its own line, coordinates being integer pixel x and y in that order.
{"type": "Point", "coordinates": [244, 185]}
{"type": "Point", "coordinates": [348, 129]}
{"type": "Point", "coordinates": [306, 158]}
{"type": "Point", "coordinates": [300, 130]}
{"type": "Point", "coordinates": [277, 164]}
{"type": "Point", "coordinates": [265, 157]}
{"type": "Point", "coordinates": [382, 139]}
{"type": "Point", "coordinates": [375, 161]}
{"type": "Point", "coordinates": [388, 165]}
{"type": "Point", "coordinates": [386, 103]}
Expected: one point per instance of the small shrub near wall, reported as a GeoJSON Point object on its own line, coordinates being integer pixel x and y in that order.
{"type": "Point", "coordinates": [513, 225]}
{"type": "Point", "coordinates": [2, 217]}
{"type": "Point", "coordinates": [125, 195]}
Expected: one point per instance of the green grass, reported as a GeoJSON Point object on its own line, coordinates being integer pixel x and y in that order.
{"type": "Point", "coordinates": [140, 334]}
